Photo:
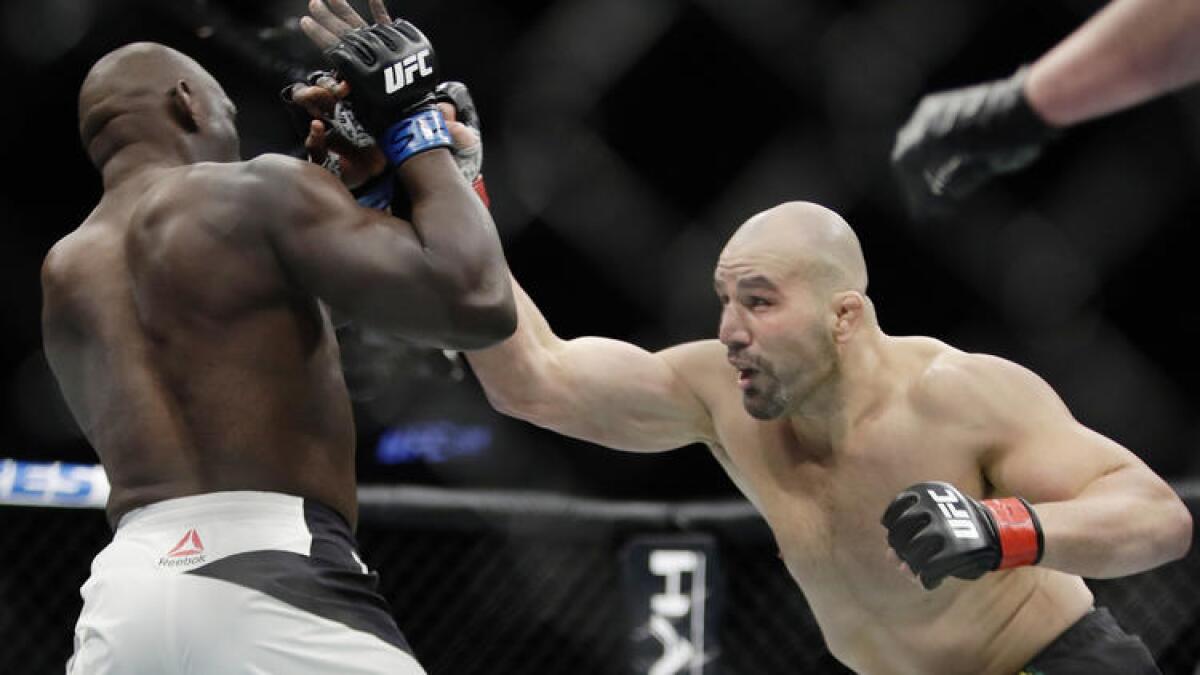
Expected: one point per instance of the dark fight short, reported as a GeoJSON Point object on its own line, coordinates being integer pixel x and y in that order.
{"type": "Point", "coordinates": [1094, 645]}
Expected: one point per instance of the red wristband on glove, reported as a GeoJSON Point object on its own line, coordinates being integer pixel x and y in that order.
{"type": "Point", "coordinates": [481, 190]}
{"type": "Point", "coordinates": [1019, 531]}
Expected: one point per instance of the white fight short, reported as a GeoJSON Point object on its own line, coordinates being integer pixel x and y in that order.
{"type": "Point", "coordinates": [235, 582]}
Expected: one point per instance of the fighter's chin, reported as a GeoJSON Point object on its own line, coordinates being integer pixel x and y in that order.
{"type": "Point", "coordinates": [761, 407]}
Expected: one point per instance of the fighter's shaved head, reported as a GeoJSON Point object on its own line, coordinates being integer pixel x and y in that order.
{"type": "Point", "coordinates": [134, 79]}
{"type": "Point", "coordinates": [807, 239]}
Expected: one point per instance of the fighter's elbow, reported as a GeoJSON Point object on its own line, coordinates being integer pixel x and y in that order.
{"type": "Point", "coordinates": [1177, 529]}
{"type": "Point", "coordinates": [523, 397]}
{"type": "Point", "coordinates": [482, 318]}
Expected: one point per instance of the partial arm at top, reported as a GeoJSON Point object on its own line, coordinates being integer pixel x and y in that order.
{"type": "Point", "coordinates": [1129, 52]}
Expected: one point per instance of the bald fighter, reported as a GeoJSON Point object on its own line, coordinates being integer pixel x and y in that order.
{"type": "Point", "coordinates": [989, 490]}
{"type": "Point", "coordinates": [186, 322]}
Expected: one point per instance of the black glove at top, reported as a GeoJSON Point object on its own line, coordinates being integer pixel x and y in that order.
{"type": "Point", "coordinates": [958, 139]}
{"type": "Point", "coordinates": [392, 71]}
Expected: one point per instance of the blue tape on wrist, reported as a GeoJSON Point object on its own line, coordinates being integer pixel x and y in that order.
{"type": "Point", "coordinates": [378, 193]}
{"type": "Point", "coordinates": [423, 131]}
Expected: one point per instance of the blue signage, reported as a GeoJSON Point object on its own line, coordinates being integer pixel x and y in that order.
{"type": "Point", "coordinates": [432, 442]}
{"type": "Point", "coordinates": [52, 484]}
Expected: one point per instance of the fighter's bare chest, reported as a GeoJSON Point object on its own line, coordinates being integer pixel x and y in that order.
{"type": "Point", "coordinates": [828, 500]}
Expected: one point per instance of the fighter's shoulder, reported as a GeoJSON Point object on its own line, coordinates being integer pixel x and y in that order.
{"type": "Point", "coordinates": [67, 267]}
{"type": "Point", "coordinates": [59, 264]}
{"type": "Point", "coordinates": [953, 384]}
{"type": "Point", "coordinates": [273, 165]}
{"type": "Point", "coordinates": [257, 193]}
{"type": "Point", "coordinates": [700, 365]}
{"type": "Point", "coordinates": [252, 179]}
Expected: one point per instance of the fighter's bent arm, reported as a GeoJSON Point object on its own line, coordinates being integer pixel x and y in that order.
{"type": "Point", "coordinates": [440, 279]}
{"type": "Point", "coordinates": [1103, 512]}
{"type": "Point", "coordinates": [605, 391]}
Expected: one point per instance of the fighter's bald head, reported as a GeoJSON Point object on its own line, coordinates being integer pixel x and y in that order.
{"type": "Point", "coordinates": [136, 78]}
{"type": "Point", "coordinates": [802, 238]}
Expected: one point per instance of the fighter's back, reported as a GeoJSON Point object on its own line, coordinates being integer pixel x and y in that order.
{"type": "Point", "coordinates": [191, 362]}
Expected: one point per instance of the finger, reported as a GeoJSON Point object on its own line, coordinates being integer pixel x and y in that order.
{"type": "Point", "coordinates": [913, 577]}
{"type": "Point", "coordinates": [320, 12]}
{"type": "Point", "coordinates": [379, 12]}
{"type": "Point", "coordinates": [317, 101]}
{"type": "Point", "coordinates": [315, 143]}
{"type": "Point", "coordinates": [448, 111]}
{"type": "Point", "coordinates": [891, 556]}
{"type": "Point", "coordinates": [346, 13]}
{"type": "Point", "coordinates": [322, 37]}
{"type": "Point", "coordinates": [463, 136]}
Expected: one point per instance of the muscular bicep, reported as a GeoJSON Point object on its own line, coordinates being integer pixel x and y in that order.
{"type": "Point", "coordinates": [1039, 450]}
{"type": "Point", "coordinates": [616, 394]}
{"type": "Point", "coordinates": [364, 263]}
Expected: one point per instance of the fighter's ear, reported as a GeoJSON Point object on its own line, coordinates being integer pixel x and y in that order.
{"type": "Point", "coordinates": [848, 310]}
{"type": "Point", "coordinates": [183, 106]}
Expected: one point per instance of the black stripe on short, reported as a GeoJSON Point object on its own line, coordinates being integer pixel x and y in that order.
{"type": "Point", "coordinates": [328, 583]}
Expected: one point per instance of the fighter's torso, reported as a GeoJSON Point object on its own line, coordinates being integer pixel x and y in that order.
{"type": "Point", "coordinates": [824, 506]}
{"type": "Point", "coordinates": [190, 364]}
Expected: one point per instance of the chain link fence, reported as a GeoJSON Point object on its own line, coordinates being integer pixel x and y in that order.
{"type": "Point", "coordinates": [532, 584]}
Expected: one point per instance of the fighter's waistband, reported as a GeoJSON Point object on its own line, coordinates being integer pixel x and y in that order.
{"type": "Point", "coordinates": [200, 529]}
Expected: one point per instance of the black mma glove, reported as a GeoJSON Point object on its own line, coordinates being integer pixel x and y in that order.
{"type": "Point", "coordinates": [392, 71]}
{"type": "Point", "coordinates": [939, 532]}
{"type": "Point", "coordinates": [958, 139]}
{"type": "Point", "coordinates": [469, 160]}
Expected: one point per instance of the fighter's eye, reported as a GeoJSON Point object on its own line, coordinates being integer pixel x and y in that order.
{"type": "Point", "coordinates": [754, 302]}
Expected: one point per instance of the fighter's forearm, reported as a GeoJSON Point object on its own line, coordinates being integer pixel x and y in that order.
{"type": "Point", "coordinates": [1129, 52]}
{"type": "Point", "coordinates": [1120, 525]}
{"type": "Point", "coordinates": [460, 240]}
{"type": "Point", "coordinates": [514, 373]}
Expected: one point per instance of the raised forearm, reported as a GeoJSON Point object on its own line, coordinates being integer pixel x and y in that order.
{"type": "Point", "coordinates": [1129, 52]}
{"type": "Point", "coordinates": [458, 236]}
{"type": "Point", "coordinates": [1121, 524]}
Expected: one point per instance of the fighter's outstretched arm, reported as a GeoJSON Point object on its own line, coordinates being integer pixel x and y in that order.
{"type": "Point", "coordinates": [440, 279]}
{"type": "Point", "coordinates": [1064, 496]}
{"type": "Point", "coordinates": [605, 391]}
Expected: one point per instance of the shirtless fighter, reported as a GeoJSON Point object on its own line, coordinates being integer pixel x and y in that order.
{"type": "Point", "coordinates": [846, 424]}
{"type": "Point", "coordinates": [184, 320]}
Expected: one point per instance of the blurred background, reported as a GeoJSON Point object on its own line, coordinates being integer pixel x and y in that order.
{"type": "Point", "coordinates": [625, 140]}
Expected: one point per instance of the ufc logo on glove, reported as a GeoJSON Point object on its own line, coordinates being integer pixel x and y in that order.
{"type": "Point", "coordinates": [958, 519]}
{"type": "Point", "coordinates": [403, 73]}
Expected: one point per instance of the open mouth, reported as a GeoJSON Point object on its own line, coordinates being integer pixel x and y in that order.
{"type": "Point", "coordinates": [745, 376]}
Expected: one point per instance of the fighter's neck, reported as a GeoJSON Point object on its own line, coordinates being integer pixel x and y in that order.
{"type": "Point", "coordinates": [859, 386]}
{"type": "Point", "coordinates": [120, 159]}
{"type": "Point", "coordinates": [135, 160]}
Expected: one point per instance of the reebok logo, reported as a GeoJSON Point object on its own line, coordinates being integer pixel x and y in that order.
{"type": "Point", "coordinates": [959, 519]}
{"type": "Point", "coordinates": [403, 73]}
{"type": "Point", "coordinates": [189, 551]}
